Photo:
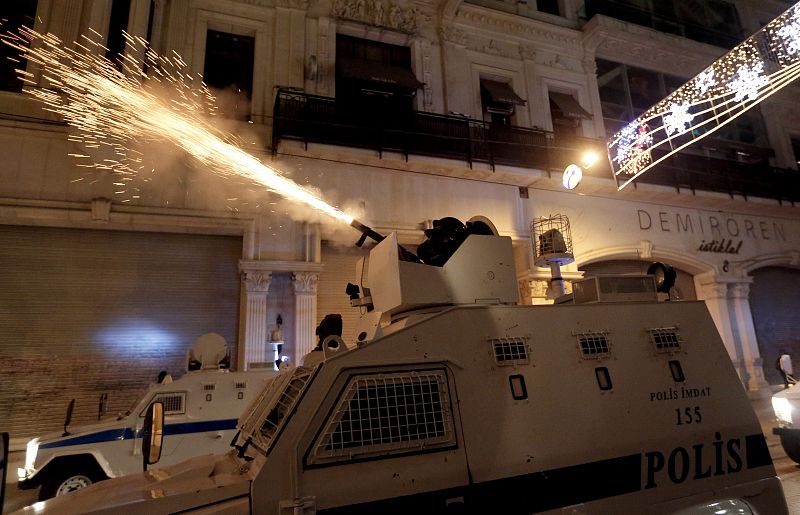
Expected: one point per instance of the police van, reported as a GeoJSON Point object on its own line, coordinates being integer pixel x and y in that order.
{"type": "Point", "coordinates": [201, 409]}
{"type": "Point", "coordinates": [455, 398]}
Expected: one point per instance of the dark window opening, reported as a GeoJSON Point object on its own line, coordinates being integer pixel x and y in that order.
{"type": "Point", "coordinates": [120, 12]}
{"type": "Point", "coordinates": [15, 14]}
{"type": "Point", "coordinates": [676, 370]}
{"type": "Point", "coordinates": [548, 6]}
{"type": "Point", "coordinates": [518, 389]}
{"type": "Point", "coordinates": [374, 81]}
{"type": "Point", "coordinates": [603, 378]}
{"type": "Point", "coordinates": [228, 70]}
{"type": "Point", "coordinates": [499, 101]}
{"type": "Point", "coordinates": [796, 150]}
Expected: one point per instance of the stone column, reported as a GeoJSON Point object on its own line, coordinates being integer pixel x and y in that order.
{"type": "Point", "coordinates": [715, 295]}
{"type": "Point", "coordinates": [256, 287]}
{"type": "Point", "coordinates": [740, 293]}
{"type": "Point", "coordinates": [305, 313]}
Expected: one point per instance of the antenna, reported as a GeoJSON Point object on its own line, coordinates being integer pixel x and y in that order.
{"type": "Point", "coordinates": [552, 247]}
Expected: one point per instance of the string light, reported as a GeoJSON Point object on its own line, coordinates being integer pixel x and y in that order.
{"type": "Point", "coordinates": [752, 71]}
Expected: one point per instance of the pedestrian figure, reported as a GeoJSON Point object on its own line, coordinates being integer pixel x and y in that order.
{"type": "Point", "coordinates": [785, 368]}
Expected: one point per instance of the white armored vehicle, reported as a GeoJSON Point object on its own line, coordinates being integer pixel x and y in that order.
{"type": "Point", "coordinates": [786, 405]}
{"type": "Point", "coordinates": [201, 410]}
{"type": "Point", "coordinates": [456, 399]}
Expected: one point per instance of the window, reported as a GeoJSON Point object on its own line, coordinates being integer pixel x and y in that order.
{"type": "Point", "coordinates": [510, 351]}
{"type": "Point", "coordinates": [548, 6]}
{"type": "Point", "coordinates": [228, 70]}
{"type": "Point", "coordinates": [796, 150]}
{"type": "Point", "coordinates": [594, 344]}
{"type": "Point", "coordinates": [566, 114]}
{"type": "Point", "coordinates": [499, 101]}
{"type": "Point", "coordinates": [384, 414]}
{"type": "Point", "coordinates": [665, 339]}
{"type": "Point", "coordinates": [120, 12]}
{"type": "Point", "coordinates": [15, 15]}
{"type": "Point", "coordinates": [375, 80]}
{"type": "Point", "coordinates": [174, 403]}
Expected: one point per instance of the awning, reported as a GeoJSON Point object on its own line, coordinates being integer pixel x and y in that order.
{"type": "Point", "coordinates": [378, 73]}
{"type": "Point", "coordinates": [569, 106]}
{"type": "Point", "coordinates": [501, 92]}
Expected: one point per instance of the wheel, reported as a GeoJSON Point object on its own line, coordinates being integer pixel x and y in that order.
{"type": "Point", "coordinates": [64, 482]}
{"type": "Point", "coordinates": [791, 444]}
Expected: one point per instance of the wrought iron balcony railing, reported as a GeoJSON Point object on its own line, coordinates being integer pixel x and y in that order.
{"type": "Point", "coordinates": [317, 119]}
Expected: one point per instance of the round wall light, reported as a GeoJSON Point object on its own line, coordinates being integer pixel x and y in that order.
{"type": "Point", "coordinates": [572, 176]}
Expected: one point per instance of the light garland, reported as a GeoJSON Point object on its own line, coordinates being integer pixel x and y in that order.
{"type": "Point", "coordinates": [753, 70]}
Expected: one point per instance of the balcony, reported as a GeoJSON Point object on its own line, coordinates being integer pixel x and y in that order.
{"type": "Point", "coordinates": [316, 119]}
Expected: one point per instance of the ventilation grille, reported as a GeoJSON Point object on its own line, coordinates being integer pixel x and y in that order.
{"type": "Point", "coordinates": [594, 344]}
{"type": "Point", "coordinates": [388, 413]}
{"type": "Point", "coordinates": [665, 339]}
{"type": "Point", "coordinates": [209, 387]}
{"type": "Point", "coordinates": [174, 403]}
{"type": "Point", "coordinates": [510, 351]}
{"type": "Point", "coordinates": [282, 406]}
{"type": "Point", "coordinates": [240, 385]}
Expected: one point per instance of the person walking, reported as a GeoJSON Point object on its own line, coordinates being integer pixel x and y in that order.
{"type": "Point", "coordinates": [785, 368]}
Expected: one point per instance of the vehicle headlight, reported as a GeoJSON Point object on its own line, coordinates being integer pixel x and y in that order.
{"type": "Point", "coordinates": [31, 451]}
{"type": "Point", "coordinates": [783, 409]}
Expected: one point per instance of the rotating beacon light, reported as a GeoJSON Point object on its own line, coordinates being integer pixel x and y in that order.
{"type": "Point", "coordinates": [552, 247]}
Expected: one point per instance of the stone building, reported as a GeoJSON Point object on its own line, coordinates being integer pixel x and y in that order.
{"type": "Point", "coordinates": [400, 112]}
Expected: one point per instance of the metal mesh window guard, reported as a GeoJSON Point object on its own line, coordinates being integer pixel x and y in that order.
{"type": "Point", "coordinates": [665, 339]}
{"type": "Point", "coordinates": [174, 403]}
{"type": "Point", "coordinates": [388, 413]}
{"type": "Point", "coordinates": [510, 351]}
{"type": "Point", "coordinates": [594, 345]}
{"type": "Point", "coordinates": [283, 404]}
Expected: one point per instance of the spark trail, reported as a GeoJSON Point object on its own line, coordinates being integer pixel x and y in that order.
{"type": "Point", "coordinates": [118, 108]}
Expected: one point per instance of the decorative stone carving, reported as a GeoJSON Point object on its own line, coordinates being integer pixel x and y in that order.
{"type": "Point", "coordinates": [740, 290]}
{"type": "Point", "coordinates": [715, 290]}
{"type": "Point", "coordinates": [305, 282]}
{"type": "Point", "coordinates": [527, 52]}
{"type": "Point", "coordinates": [646, 249]}
{"type": "Point", "coordinates": [521, 28]}
{"type": "Point", "coordinates": [539, 288]}
{"type": "Point", "coordinates": [453, 35]}
{"type": "Point", "coordinates": [257, 281]}
{"type": "Point", "coordinates": [379, 13]}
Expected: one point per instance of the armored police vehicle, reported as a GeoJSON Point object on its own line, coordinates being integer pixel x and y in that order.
{"type": "Point", "coordinates": [201, 410]}
{"type": "Point", "coordinates": [455, 398]}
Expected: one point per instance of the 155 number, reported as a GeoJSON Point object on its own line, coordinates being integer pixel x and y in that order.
{"type": "Point", "coordinates": [688, 416]}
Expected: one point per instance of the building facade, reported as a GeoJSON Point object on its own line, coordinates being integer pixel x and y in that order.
{"type": "Point", "coordinates": [399, 112]}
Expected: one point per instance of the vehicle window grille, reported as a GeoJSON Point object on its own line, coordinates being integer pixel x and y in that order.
{"type": "Point", "coordinates": [510, 351]}
{"type": "Point", "coordinates": [665, 339]}
{"type": "Point", "coordinates": [282, 405]}
{"type": "Point", "coordinates": [241, 385]}
{"type": "Point", "coordinates": [174, 403]}
{"type": "Point", "coordinates": [386, 414]}
{"type": "Point", "coordinates": [594, 344]}
{"type": "Point", "coordinates": [209, 387]}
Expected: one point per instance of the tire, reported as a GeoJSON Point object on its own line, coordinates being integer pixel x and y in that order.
{"type": "Point", "coordinates": [66, 481]}
{"type": "Point", "coordinates": [791, 444]}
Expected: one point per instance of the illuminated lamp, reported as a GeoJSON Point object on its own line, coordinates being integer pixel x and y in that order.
{"type": "Point", "coordinates": [664, 276]}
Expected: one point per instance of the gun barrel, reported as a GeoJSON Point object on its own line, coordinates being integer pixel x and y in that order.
{"type": "Point", "coordinates": [366, 231]}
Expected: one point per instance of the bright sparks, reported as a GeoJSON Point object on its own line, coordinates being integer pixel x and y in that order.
{"type": "Point", "coordinates": [154, 100]}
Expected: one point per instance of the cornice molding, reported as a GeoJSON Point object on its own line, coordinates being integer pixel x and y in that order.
{"type": "Point", "coordinates": [519, 27]}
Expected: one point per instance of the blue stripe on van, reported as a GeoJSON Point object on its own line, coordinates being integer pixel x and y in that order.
{"type": "Point", "coordinates": [127, 433]}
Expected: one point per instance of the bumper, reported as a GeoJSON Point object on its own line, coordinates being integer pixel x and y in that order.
{"type": "Point", "coordinates": [28, 483]}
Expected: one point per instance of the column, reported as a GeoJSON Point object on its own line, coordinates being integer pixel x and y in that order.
{"type": "Point", "coordinates": [715, 295]}
{"type": "Point", "coordinates": [256, 287]}
{"type": "Point", "coordinates": [305, 313]}
{"type": "Point", "coordinates": [740, 293]}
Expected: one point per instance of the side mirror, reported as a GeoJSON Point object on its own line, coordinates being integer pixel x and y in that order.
{"type": "Point", "coordinates": [153, 434]}
{"type": "Point", "coordinates": [3, 465]}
